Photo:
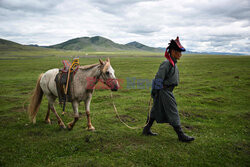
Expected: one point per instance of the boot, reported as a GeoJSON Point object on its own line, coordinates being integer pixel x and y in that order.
{"type": "Point", "coordinates": [181, 135]}
{"type": "Point", "coordinates": [146, 131]}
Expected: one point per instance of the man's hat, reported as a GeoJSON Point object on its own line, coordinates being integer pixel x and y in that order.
{"type": "Point", "coordinates": [176, 45]}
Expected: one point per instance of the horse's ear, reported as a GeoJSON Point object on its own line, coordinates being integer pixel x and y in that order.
{"type": "Point", "coordinates": [108, 60]}
{"type": "Point", "coordinates": [101, 62]}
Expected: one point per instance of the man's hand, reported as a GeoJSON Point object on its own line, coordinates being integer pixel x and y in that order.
{"type": "Point", "coordinates": [157, 84]}
{"type": "Point", "coordinates": [154, 93]}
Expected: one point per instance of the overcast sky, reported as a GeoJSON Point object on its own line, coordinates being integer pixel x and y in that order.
{"type": "Point", "coordinates": [204, 25]}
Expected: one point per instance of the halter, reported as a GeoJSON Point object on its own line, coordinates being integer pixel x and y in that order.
{"type": "Point", "coordinates": [106, 80]}
{"type": "Point", "coordinates": [103, 71]}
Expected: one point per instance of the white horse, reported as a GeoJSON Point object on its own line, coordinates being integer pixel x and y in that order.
{"type": "Point", "coordinates": [80, 88]}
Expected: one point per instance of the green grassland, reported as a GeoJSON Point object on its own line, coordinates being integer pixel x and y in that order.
{"type": "Point", "coordinates": [213, 101]}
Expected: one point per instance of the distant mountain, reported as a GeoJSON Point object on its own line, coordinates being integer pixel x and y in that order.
{"type": "Point", "coordinates": [137, 45]}
{"type": "Point", "coordinates": [98, 43]}
{"type": "Point", "coordinates": [6, 45]}
{"type": "Point", "coordinates": [89, 44]}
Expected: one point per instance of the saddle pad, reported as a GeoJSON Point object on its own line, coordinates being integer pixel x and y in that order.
{"type": "Point", "coordinates": [67, 65]}
{"type": "Point", "coordinates": [74, 66]}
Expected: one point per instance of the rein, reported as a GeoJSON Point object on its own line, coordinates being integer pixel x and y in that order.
{"type": "Point", "coordinates": [118, 116]}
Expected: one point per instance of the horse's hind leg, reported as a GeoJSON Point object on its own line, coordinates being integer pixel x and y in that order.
{"type": "Point", "coordinates": [51, 105]}
{"type": "Point", "coordinates": [60, 122]}
{"type": "Point", "coordinates": [75, 108]}
{"type": "Point", "coordinates": [87, 108]}
{"type": "Point", "coordinates": [47, 119]}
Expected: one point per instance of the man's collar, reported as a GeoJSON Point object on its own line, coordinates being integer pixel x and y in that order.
{"type": "Point", "coordinates": [174, 60]}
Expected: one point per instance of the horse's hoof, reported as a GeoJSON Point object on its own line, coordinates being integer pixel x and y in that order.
{"type": "Point", "coordinates": [62, 126]}
{"type": "Point", "coordinates": [48, 121]}
{"type": "Point", "coordinates": [92, 128]}
{"type": "Point", "coordinates": [69, 127]}
{"type": "Point", "coordinates": [34, 120]}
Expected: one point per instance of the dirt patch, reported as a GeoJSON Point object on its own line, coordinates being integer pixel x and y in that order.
{"type": "Point", "coordinates": [216, 87]}
{"type": "Point", "coordinates": [100, 99]}
{"type": "Point", "coordinates": [200, 116]}
{"type": "Point", "coordinates": [125, 90]}
{"type": "Point", "coordinates": [127, 118]}
{"type": "Point", "coordinates": [18, 109]}
{"type": "Point", "coordinates": [192, 95]}
{"type": "Point", "coordinates": [87, 138]}
{"type": "Point", "coordinates": [239, 147]}
{"type": "Point", "coordinates": [24, 93]}
{"type": "Point", "coordinates": [5, 120]}
{"type": "Point", "coordinates": [188, 114]}
{"type": "Point", "coordinates": [184, 113]}
{"type": "Point", "coordinates": [9, 99]}
{"type": "Point", "coordinates": [217, 99]}
{"type": "Point", "coordinates": [189, 127]}
{"type": "Point", "coordinates": [35, 133]}
{"type": "Point", "coordinates": [245, 115]}
{"type": "Point", "coordinates": [206, 90]}
{"type": "Point", "coordinates": [137, 109]}
{"type": "Point", "coordinates": [237, 77]}
{"type": "Point", "coordinates": [213, 101]}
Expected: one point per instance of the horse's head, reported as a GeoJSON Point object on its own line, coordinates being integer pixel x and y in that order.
{"type": "Point", "coordinates": [108, 75]}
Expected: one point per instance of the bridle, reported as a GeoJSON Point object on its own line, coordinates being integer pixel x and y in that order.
{"type": "Point", "coordinates": [104, 77]}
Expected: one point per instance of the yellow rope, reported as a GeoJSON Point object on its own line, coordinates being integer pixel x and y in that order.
{"type": "Point", "coordinates": [130, 127]}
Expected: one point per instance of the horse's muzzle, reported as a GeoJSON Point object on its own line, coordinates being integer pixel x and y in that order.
{"type": "Point", "coordinates": [113, 84]}
{"type": "Point", "coordinates": [115, 88]}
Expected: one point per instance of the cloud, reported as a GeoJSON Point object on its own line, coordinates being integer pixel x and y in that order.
{"type": "Point", "coordinates": [202, 26]}
{"type": "Point", "coordinates": [35, 6]}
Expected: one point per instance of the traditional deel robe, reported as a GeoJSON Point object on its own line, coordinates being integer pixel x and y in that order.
{"type": "Point", "coordinates": [164, 109]}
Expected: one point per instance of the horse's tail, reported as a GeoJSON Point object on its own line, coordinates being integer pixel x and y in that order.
{"type": "Point", "coordinates": [35, 100]}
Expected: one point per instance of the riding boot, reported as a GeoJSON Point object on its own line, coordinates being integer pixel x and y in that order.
{"type": "Point", "coordinates": [181, 135]}
{"type": "Point", "coordinates": [146, 131]}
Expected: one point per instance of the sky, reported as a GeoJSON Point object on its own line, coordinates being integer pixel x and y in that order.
{"type": "Point", "coordinates": [203, 26]}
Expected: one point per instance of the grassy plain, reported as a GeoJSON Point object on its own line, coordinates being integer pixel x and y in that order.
{"type": "Point", "coordinates": [213, 101]}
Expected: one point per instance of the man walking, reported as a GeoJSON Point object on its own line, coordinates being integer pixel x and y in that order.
{"type": "Point", "coordinates": [164, 109]}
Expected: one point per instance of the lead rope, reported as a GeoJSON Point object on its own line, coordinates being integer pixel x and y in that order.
{"type": "Point", "coordinates": [130, 127]}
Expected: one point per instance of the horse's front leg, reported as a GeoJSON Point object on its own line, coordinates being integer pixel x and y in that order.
{"type": "Point", "coordinates": [75, 105]}
{"type": "Point", "coordinates": [87, 108]}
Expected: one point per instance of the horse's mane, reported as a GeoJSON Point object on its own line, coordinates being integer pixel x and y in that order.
{"type": "Point", "coordinates": [86, 67]}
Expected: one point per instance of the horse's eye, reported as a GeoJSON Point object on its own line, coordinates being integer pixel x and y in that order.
{"type": "Point", "coordinates": [107, 73]}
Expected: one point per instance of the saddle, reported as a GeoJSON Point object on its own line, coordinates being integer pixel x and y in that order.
{"type": "Point", "coordinates": [64, 79]}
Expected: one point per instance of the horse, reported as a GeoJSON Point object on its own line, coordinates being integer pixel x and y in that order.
{"type": "Point", "coordinates": [80, 89]}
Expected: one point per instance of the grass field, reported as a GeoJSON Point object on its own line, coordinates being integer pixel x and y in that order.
{"type": "Point", "coordinates": [213, 101]}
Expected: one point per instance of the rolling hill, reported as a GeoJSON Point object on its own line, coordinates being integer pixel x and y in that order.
{"type": "Point", "coordinates": [6, 45]}
{"type": "Point", "coordinates": [98, 43]}
{"type": "Point", "coordinates": [137, 45]}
